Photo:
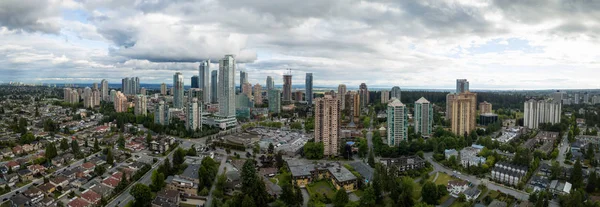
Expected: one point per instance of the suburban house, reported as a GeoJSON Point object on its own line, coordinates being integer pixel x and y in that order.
{"type": "Point", "coordinates": [61, 181]}
{"type": "Point", "coordinates": [34, 194]}
{"type": "Point", "coordinates": [450, 152]}
{"type": "Point", "coordinates": [472, 193]}
{"type": "Point", "coordinates": [91, 197]}
{"type": "Point", "coordinates": [456, 187]}
{"type": "Point", "coordinates": [78, 202]}
{"type": "Point", "coordinates": [182, 185]}
{"type": "Point", "coordinates": [469, 156]}
{"type": "Point", "coordinates": [166, 198]}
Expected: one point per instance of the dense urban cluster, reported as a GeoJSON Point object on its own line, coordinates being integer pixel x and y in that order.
{"type": "Point", "coordinates": [221, 144]}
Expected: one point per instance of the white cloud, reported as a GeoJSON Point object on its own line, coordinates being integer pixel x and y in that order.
{"type": "Point", "coordinates": [418, 44]}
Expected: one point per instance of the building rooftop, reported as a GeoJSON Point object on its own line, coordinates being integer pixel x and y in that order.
{"type": "Point", "coordinates": [422, 100]}
{"type": "Point", "coordinates": [364, 170]}
{"type": "Point", "coordinates": [395, 103]}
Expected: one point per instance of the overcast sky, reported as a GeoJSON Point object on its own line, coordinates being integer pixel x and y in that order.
{"type": "Point", "coordinates": [503, 44]}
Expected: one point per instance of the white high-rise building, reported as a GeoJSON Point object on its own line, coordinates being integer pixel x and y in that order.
{"type": "Point", "coordinates": [270, 83]}
{"type": "Point", "coordinates": [140, 105]}
{"type": "Point", "coordinates": [342, 96]}
{"type": "Point", "coordinates": [163, 89]}
{"type": "Point", "coordinates": [423, 117]}
{"type": "Point", "coordinates": [178, 90]}
{"type": "Point", "coordinates": [204, 80]}
{"type": "Point", "coordinates": [397, 122]}
{"type": "Point", "coordinates": [542, 111]}
{"type": "Point", "coordinates": [193, 119]}
{"type": "Point", "coordinates": [161, 113]}
{"type": "Point", "coordinates": [104, 90]}
{"type": "Point", "coordinates": [226, 88]}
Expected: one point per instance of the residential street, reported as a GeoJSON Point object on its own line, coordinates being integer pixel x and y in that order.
{"type": "Point", "coordinates": [212, 189]}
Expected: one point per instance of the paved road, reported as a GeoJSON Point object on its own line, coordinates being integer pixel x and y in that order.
{"type": "Point", "coordinates": [562, 150]}
{"type": "Point", "coordinates": [212, 189]}
{"type": "Point", "coordinates": [370, 135]}
{"type": "Point", "coordinates": [124, 198]}
{"type": "Point", "coordinates": [41, 180]}
{"type": "Point", "coordinates": [492, 186]}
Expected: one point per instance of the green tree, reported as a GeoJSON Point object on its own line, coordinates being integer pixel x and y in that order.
{"type": "Point", "coordinates": [178, 157]}
{"type": "Point", "coordinates": [589, 154]}
{"type": "Point", "coordinates": [75, 147]}
{"type": "Point", "coordinates": [64, 144]}
{"type": "Point", "coordinates": [368, 199]}
{"type": "Point", "coordinates": [363, 148]}
{"type": "Point", "coordinates": [121, 141]}
{"type": "Point", "coordinates": [591, 184]}
{"type": "Point", "coordinates": [271, 148]}
{"type": "Point", "coordinates": [50, 152]}
{"type": "Point", "coordinates": [314, 150]}
{"type": "Point", "coordinates": [429, 193]}
{"type": "Point", "coordinates": [341, 198]}
{"type": "Point", "coordinates": [96, 145]}
{"type": "Point", "coordinates": [371, 160]}
{"type": "Point", "coordinates": [99, 170]}
{"type": "Point", "coordinates": [148, 138]}
{"type": "Point", "coordinates": [252, 184]}
{"type": "Point", "coordinates": [555, 170]}
{"type": "Point", "coordinates": [27, 138]}
{"type": "Point", "coordinates": [576, 175]}
{"type": "Point", "coordinates": [109, 157]}
{"type": "Point", "coordinates": [142, 194]}
{"type": "Point", "coordinates": [248, 201]}
{"type": "Point", "coordinates": [158, 181]}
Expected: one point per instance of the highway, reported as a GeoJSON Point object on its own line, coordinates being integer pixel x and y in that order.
{"type": "Point", "coordinates": [492, 186]}
{"type": "Point", "coordinates": [41, 180]}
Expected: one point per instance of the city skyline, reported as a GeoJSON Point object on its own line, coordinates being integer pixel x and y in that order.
{"type": "Point", "coordinates": [87, 41]}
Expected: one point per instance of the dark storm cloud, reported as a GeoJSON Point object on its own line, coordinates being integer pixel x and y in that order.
{"type": "Point", "coordinates": [29, 16]}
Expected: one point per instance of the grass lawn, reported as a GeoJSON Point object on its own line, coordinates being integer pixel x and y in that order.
{"type": "Point", "coordinates": [457, 204]}
{"type": "Point", "coordinates": [359, 193]}
{"type": "Point", "coordinates": [493, 194]}
{"type": "Point", "coordinates": [186, 205]}
{"type": "Point", "coordinates": [417, 191]}
{"type": "Point", "coordinates": [321, 187]}
{"type": "Point", "coordinates": [273, 180]}
{"type": "Point", "coordinates": [283, 178]}
{"type": "Point", "coordinates": [442, 179]}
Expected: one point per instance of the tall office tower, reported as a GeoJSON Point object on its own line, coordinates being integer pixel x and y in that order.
{"type": "Point", "coordinates": [287, 88]}
{"type": "Point", "coordinates": [396, 93]}
{"type": "Point", "coordinates": [485, 108]}
{"type": "Point", "coordinates": [88, 100]}
{"type": "Point", "coordinates": [558, 96]}
{"type": "Point", "coordinates": [342, 96]}
{"type": "Point", "coordinates": [143, 91]}
{"type": "Point", "coordinates": [178, 90]}
{"type": "Point", "coordinates": [247, 89]}
{"type": "Point", "coordinates": [104, 90]}
{"type": "Point", "coordinates": [586, 98]}
{"type": "Point", "coordinates": [385, 96]}
{"type": "Point", "coordinates": [258, 99]}
{"type": "Point", "coordinates": [309, 88]}
{"type": "Point", "coordinates": [542, 111]}
{"type": "Point", "coordinates": [464, 110]}
{"type": "Point", "coordinates": [96, 97]}
{"type": "Point", "coordinates": [121, 104]}
{"type": "Point", "coordinates": [270, 83]}
{"type": "Point", "coordinates": [163, 89]}
{"type": "Point", "coordinates": [136, 85]}
{"type": "Point", "coordinates": [195, 81]}
{"type": "Point", "coordinates": [462, 85]}
{"type": "Point", "coordinates": [193, 116]}
{"type": "Point", "coordinates": [397, 122]}
{"type": "Point", "coordinates": [274, 98]}
{"type": "Point", "coordinates": [140, 105]}
{"type": "Point", "coordinates": [95, 86]}
{"type": "Point", "coordinates": [204, 80]}
{"type": "Point", "coordinates": [327, 124]}
{"type": "Point", "coordinates": [449, 99]}
{"type": "Point", "coordinates": [364, 95]}
{"type": "Point", "coordinates": [213, 86]}
{"type": "Point", "coordinates": [161, 113]}
{"type": "Point", "coordinates": [227, 86]}
{"type": "Point", "coordinates": [577, 99]}
{"type": "Point", "coordinates": [113, 95]}
{"type": "Point", "coordinates": [423, 117]}
{"type": "Point", "coordinates": [243, 80]}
